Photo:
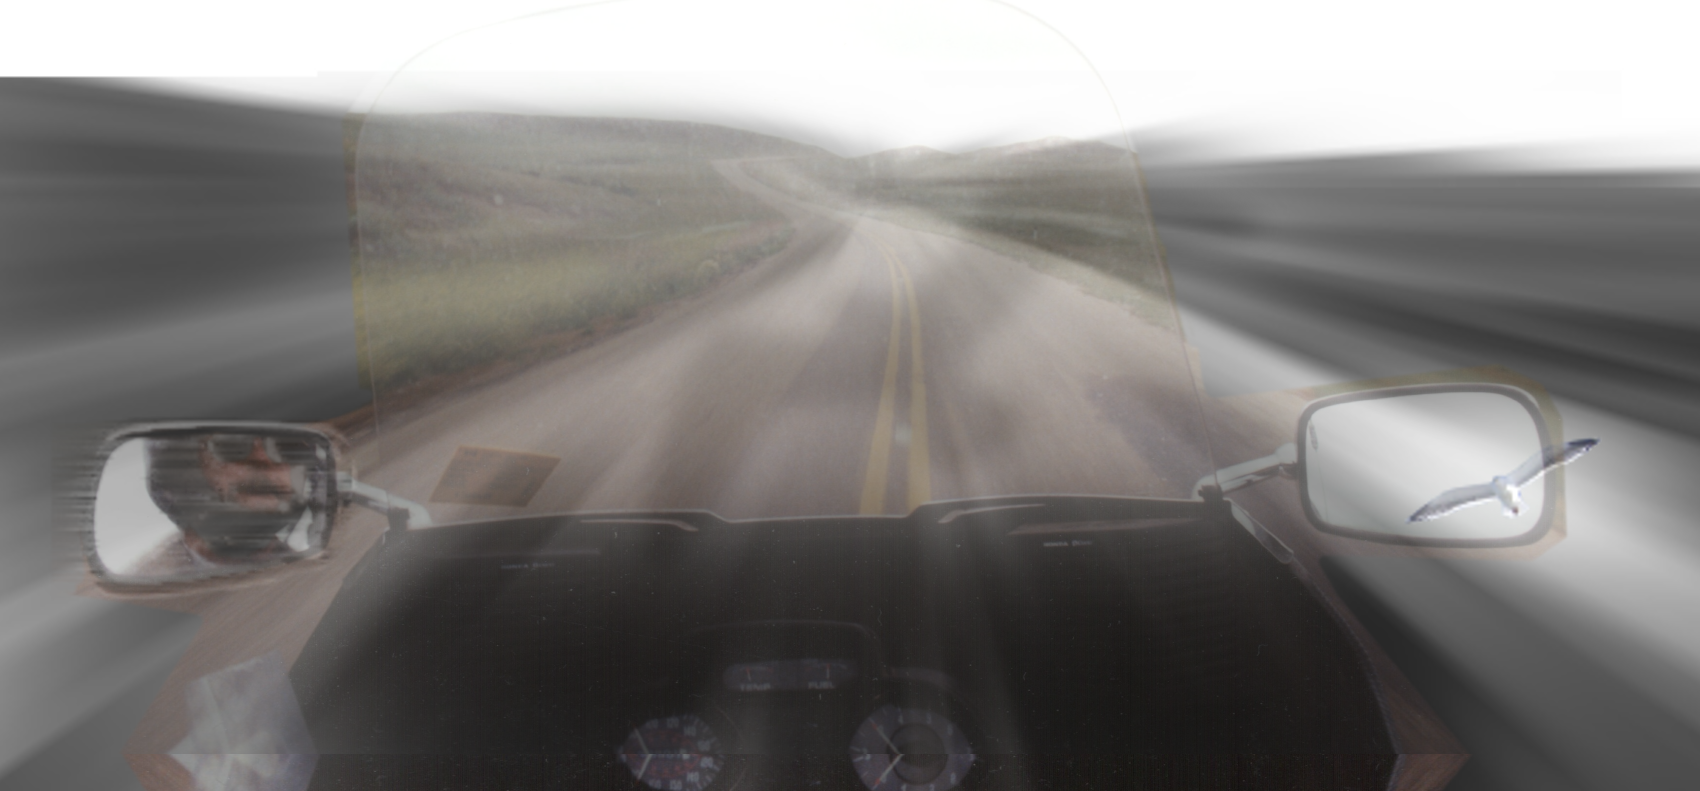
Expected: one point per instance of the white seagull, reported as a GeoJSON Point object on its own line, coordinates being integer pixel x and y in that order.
{"type": "Point", "coordinates": [1508, 488]}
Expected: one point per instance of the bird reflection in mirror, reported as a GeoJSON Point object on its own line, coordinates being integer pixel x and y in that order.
{"type": "Point", "coordinates": [1508, 488]}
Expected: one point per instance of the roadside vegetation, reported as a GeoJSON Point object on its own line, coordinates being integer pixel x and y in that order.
{"type": "Point", "coordinates": [484, 239]}
{"type": "Point", "coordinates": [1074, 210]}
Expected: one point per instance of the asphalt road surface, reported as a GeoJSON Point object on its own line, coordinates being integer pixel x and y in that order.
{"type": "Point", "coordinates": [866, 368]}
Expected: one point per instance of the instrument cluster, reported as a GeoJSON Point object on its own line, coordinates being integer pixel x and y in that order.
{"type": "Point", "coordinates": [808, 706]}
{"type": "Point", "coordinates": [893, 749]}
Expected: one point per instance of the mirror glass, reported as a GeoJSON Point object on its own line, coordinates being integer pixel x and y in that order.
{"type": "Point", "coordinates": [182, 505]}
{"type": "Point", "coordinates": [1424, 466]}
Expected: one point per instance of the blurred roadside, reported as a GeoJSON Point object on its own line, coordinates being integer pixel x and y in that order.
{"type": "Point", "coordinates": [163, 257]}
{"type": "Point", "coordinates": [1580, 669]}
{"type": "Point", "coordinates": [1579, 275]}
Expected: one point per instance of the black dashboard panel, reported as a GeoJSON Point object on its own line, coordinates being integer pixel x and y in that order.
{"type": "Point", "coordinates": [1158, 653]}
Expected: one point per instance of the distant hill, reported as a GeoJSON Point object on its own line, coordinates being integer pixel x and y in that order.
{"type": "Point", "coordinates": [1081, 201]}
{"type": "Point", "coordinates": [437, 189]}
{"type": "Point", "coordinates": [523, 141]}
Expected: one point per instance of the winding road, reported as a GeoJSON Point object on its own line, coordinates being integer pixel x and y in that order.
{"type": "Point", "coordinates": [866, 368]}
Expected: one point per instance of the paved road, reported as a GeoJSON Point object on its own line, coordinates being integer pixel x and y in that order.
{"type": "Point", "coordinates": [866, 368]}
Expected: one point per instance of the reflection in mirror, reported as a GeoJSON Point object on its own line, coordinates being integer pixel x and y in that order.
{"type": "Point", "coordinates": [178, 505]}
{"type": "Point", "coordinates": [1370, 464]}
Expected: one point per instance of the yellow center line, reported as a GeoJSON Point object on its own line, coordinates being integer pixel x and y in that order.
{"type": "Point", "coordinates": [879, 455]}
{"type": "Point", "coordinates": [920, 474]}
{"type": "Point", "coordinates": [875, 482]}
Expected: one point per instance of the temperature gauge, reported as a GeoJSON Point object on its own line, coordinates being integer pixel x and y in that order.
{"type": "Point", "coordinates": [760, 676]}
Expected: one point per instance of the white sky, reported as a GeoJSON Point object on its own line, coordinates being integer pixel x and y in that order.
{"type": "Point", "coordinates": [1303, 76]}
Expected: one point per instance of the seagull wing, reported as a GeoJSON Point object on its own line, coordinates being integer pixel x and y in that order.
{"type": "Point", "coordinates": [1452, 500]}
{"type": "Point", "coordinates": [1548, 458]}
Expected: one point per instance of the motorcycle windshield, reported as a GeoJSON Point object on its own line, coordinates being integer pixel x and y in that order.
{"type": "Point", "coordinates": [765, 260]}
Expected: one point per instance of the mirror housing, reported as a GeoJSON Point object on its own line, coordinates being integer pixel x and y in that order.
{"type": "Point", "coordinates": [1408, 465]}
{"type": "Point", "coordinates": [182, 502]}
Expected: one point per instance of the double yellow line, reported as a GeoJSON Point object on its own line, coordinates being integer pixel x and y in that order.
{"type": "Point", "coordinates": [879, 455]}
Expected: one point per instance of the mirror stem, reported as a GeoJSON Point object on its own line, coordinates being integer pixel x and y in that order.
{"type": "Point", "coordinates": [402, 513]}
{"type": "Point", "coordinates": [1281, 463]}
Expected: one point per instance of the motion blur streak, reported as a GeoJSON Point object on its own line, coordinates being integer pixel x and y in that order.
{"type": "Point", "coordinates": [161, 258]}
{"type": "Point", "coordinates": [1580, 669]}
{"type": "Point", "coordinates": [171, 258]}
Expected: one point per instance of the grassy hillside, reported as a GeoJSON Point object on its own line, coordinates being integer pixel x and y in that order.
{"type": "Point", "coordinates": [484, 238]}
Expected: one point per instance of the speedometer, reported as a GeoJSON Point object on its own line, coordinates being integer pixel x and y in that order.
{"type": "Point", "coordinates": [673, 753]}
{"type": "Point", "coordinates": [910, 750]}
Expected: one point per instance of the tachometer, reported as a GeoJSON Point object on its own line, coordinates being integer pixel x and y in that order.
{"type": "Point", "coordinates": [910, 750]}
{"type": "Point", "coordinates": [673, 754]}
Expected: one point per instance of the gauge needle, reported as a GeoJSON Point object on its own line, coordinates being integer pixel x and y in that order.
{"type": "Point", "coordinates": [888, 768]}
{"type": "Point", "coordinates": [897, 755]}
{"type": "Point", "coordinates": [894, 750]}
{"type": "Point", "coordinates": [647, 755]}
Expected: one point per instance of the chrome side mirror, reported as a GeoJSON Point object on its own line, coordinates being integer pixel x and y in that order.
{"type": "Point", "coordinates": [180, 502]}
{"type": "Point", "coordinates": [1455, 465]}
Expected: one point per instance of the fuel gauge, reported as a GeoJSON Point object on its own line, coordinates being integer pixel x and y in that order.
{"type": "Point", "coordinates": [825, 673]}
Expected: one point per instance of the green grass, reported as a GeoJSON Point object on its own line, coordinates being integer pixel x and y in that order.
{"type": "Point", "coordinates": [434, 321]}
